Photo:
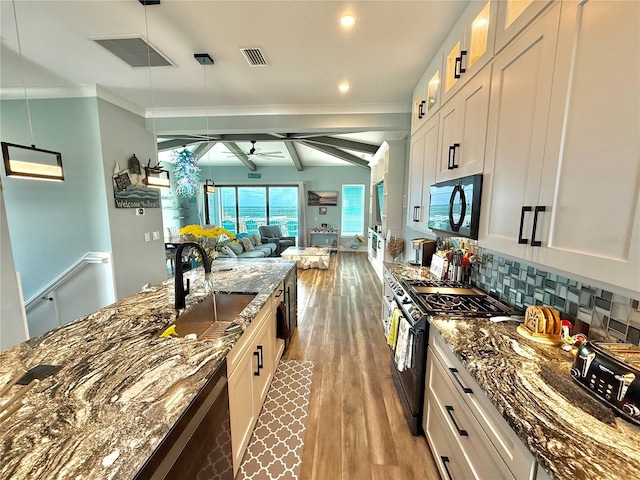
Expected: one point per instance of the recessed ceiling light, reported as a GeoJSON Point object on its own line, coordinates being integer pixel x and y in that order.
{"type": "Point", "coordinates": [344, 87]}
{"type": "Point", "coordinates": [347, 20]}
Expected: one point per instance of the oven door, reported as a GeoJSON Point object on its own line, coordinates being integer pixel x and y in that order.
{"type": "Point", "coordinates": [410, 381]}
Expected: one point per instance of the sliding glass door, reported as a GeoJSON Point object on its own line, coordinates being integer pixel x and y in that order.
{"type": "Point", "coordinates": [242, 209]}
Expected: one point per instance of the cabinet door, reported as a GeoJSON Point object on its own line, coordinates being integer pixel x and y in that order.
{"type": "Point", "coordinates": [468, 47]}
{"type": "Point", "coordinates": [414, 207]}
{"type": "Point", "coordinates": [463, 129]}
{"type": "Point", "coordinates": [518, 111]}
{"type": "Point", "coordinates": [514, 16]}
{"type": "Point", "coordinates": [262, 362]}
{"type": "Point", "coordinates": [241, 408]}
{"type": "Point", "coordinates": [426, 95]}
{"type": "Point", "coordinates": [422, 173]}
{"type": "Point", "coordinates": [591, 183]}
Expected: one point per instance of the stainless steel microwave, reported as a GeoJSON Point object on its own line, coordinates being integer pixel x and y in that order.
{"type": "Point", "coordinates": [454, 206]}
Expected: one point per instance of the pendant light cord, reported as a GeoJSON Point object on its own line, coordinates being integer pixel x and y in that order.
{"type": "Point", "coordinates": [153, 117]}
{"type": "Point", "coordinates": [24, 83]}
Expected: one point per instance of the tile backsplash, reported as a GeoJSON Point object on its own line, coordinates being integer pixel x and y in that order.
{"type": "Point", "coordinates": [600, 314]}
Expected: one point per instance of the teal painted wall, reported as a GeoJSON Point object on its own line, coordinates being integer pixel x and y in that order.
{"type": "Point", "coordinates": [314, 178]}
{"type": "Point", "coordinates": [53, 224]}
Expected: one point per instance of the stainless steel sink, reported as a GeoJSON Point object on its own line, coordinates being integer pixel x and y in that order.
{"type": "Point", "coordinates": [210, 317]}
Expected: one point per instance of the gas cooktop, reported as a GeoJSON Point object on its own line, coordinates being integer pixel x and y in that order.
{"type": "Point", "coordinates": [441, 297]}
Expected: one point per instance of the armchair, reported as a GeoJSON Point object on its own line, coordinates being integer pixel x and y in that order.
{"type": "Point", "coordinates": [273, 234]}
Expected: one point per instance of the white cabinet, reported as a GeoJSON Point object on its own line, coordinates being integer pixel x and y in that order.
{"type": "Point", "coordinates": [591, 175]}
{"type": "Point", "coordinates": [468, 47]}
{"type": "Point", "coordinates": [468, 436]}
{"type": "Point", "coordinates": [250, 364]}
{"type": "Point", "coordinates": [426, 95]}
{"type": "Point", "coordinates": [463, 129]}
{"type": "Point", "coordinates": [422, 174]}
{"type": "Point", "coordinates": [518, 111]}
{"type": "Point", "coordinates": [376, 251]}
{"type": "Point", "coordinates": [513, 17]}
{"type": "Point", "coordinates": [562, 166]}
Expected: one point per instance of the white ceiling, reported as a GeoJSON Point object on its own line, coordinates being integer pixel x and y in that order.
{"type": "Point", "coordinates": [309, 54]}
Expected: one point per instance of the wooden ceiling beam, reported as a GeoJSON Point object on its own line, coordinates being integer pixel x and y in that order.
{"type": "Point", "coordinates": [202, 149]}
{"type": "Point", "coordinates": [336, 152]}
{"type": "Point", "coordinates": [345, 143]}
{"type": "Point", "coordinates": [237, 151]}
{"type": "Point", "coordinates": [293, 152]}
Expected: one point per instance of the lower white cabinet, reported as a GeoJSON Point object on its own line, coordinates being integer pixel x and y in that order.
{"type": "Point", "coordinates": [468, 437]}
{"type": "Point", "coordinates": [251, 365]}
{"type": "Point", "coordinates": [375, 251]}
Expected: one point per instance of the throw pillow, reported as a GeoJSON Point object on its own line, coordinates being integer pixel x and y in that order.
{"type": "Point", "coordinates": [228, 252]}
{"type": "Point", "coordinates": [236, 247]}
{"type": "Point", "coordinates": [256, 239]}
{"type": "Point", "coordinates": [246, 243]}
{"type": "Point", "coordinates": [251, 239]}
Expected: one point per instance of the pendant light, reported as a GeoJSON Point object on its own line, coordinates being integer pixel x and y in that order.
{"type": "Point", "coordinates": [155, 177]}
{"type": "Point", "coordinates": [23, 161]}
{"type": "Point", "coordinates": [204, 59]}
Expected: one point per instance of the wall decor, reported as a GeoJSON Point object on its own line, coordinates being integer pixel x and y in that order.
{"type": "Point", "coordinates": [322, 198]}
{"type": "Point", "coordinates": [322, 210]}
{"type": "Point", "coordinates": [129, 190]}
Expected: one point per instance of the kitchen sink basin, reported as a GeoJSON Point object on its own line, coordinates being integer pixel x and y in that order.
{"type": "Point", "coordinates": [210, 317]}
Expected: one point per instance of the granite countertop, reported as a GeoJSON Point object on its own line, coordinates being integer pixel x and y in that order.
{"type": "Point", "coordinates": [569, 432]}
{"type": "Point", "coordinates": [121, 387]}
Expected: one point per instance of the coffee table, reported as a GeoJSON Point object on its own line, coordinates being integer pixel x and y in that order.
{"type": "Point", "coordinates": [310, 257]}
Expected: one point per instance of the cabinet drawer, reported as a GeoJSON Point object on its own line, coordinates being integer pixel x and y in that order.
{"type": "Point", "coordinates": [448, 456]}
{"type": "Point", "coordinates": [508, 445]}
{"type": "Point", "coordinates": [483, 460]}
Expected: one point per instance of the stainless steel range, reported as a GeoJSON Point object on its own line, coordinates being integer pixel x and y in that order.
{"type": "Point", "coordinates": [456, 299]}
{"type": "Point", "coordinates": [418, 300]}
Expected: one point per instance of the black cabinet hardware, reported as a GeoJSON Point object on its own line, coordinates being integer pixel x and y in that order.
{"type": "Point", "coordinates": [260, 357]}
{"type": "Point", "coordinates": [456, 67]}
{"type": "Point", "coordinates": [462, 54]}
{"type": "Point", "coordinates": [421, 111]}
{"type": "Point", "coordinates": [257, 372]}
{"type": "Point", "coordinates": [451, 157]}
{"type": "Point", "coordinates": [446, 460]}
{"type": "Point", "coordinates": [525, 208]}
{"type": "Point", "coordinates": [538, 209]}
{"type": "Point", "coordinates": [416, 214]}
{"type": "Point", "coordinates": [279, 293]}
{"type": "Point", "coordinates": [454, 371]}
{"type": "Point", "coordinates": [461, 432]}
{"type": "Point", "coordinates": [453, 162]}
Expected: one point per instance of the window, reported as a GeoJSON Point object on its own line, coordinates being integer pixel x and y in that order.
{"type": "Point", "coordinates": [352, 210]}
{"type": "Point", "coordinates": [242, 209]}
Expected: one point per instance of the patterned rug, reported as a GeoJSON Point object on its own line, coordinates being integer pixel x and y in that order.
{"type": "Point", "coordinates": [275, 449]}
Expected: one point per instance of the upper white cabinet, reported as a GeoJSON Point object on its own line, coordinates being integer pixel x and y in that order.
{"type": "Point", "coordinates": [422, 173]}
{"type": "Point", "coordinates": [513, 17]}
{"type": "Point", "coordinates": [426, 95]}
{"type": "Point", "coordinates": [562, 170]}
{"type": "Point", "coordinates": [591, 174]}
{"type": "Point", "coordinates": [520, 97]}
{"type": "Point", "coordinates": [463, 129]}
{"type": "Point", "coordinates": [468, 47]}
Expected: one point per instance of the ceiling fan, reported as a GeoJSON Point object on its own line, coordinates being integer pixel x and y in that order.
{"type": "Point", "coordinates": [257, 152]}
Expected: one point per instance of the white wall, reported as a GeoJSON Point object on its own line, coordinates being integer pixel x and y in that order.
{"type": "Point", "coordinates": [13, 329]}
{"type": "Point", "coordinates": [135, 261]}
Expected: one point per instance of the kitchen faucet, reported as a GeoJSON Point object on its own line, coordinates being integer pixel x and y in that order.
{"type": "Point", "coordinates": [182, 292]}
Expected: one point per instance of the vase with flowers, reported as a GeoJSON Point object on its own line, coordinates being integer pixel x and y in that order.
{"type": "Point", "coordinates": [212, 239]}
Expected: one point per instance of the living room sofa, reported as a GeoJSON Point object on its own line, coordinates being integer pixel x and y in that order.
{"type": "Point", "coordinates": [259, 251]}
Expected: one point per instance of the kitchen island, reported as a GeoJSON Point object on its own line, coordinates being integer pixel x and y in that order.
{"type": "Point", "coordinates": [569, 433]}
{"type": "Point", "coordinates": [121, 388]}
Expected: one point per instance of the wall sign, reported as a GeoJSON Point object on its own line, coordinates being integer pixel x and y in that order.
{"type": "Point", "coordinates": [128, 189]}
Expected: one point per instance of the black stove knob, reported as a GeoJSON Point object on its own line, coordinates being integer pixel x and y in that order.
{"type": "Point", "coordinates": [631, 410]}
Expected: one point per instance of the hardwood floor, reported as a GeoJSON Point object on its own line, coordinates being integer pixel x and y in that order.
{"type": "Point", "coordinates": [355, 429]}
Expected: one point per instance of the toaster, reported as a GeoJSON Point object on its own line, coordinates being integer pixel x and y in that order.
{"type": "Point", "coordinates": [611, 372]}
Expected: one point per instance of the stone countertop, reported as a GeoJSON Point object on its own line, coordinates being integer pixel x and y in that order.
{"type": "Point", "coordinates": [121, 387]}
{"type": "Point", "coordinates": [569, 432]}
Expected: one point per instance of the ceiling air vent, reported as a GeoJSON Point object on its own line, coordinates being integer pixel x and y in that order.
{"type": "Point", "coordinates": [134, 51]}
{"type": "Point", "coordinates": [254, 57]}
